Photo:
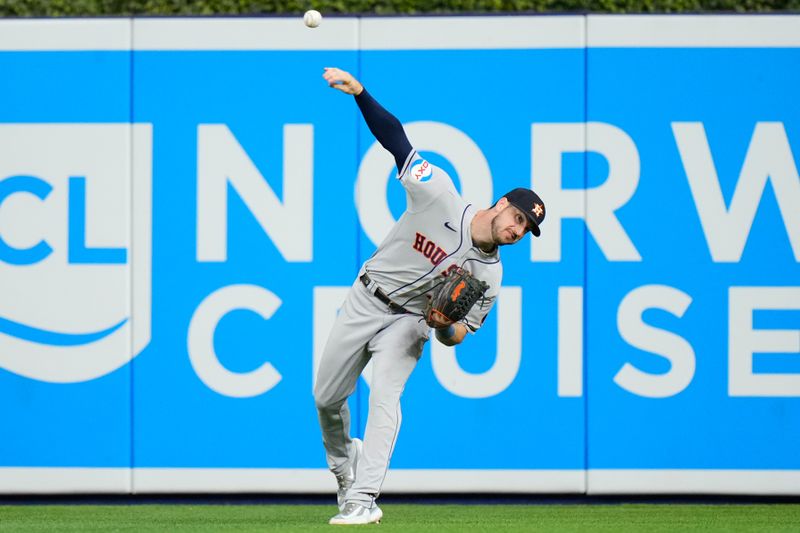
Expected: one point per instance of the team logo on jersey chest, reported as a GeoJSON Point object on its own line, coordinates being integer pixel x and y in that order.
{"type": "Point", "coordinates": [429, 249]}
{"type": "Point", "coordinates": [421, 170]}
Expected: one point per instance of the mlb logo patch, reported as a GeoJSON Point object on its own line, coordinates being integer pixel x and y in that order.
{"type": "Point", "coordinates": [421, 170]}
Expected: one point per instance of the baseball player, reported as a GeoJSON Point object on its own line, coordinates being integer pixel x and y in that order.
{"type": "Point", "coordinates": [382, 317]}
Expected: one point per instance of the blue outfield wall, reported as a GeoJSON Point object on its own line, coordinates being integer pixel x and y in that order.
{"type": "Point", "coordinates": [184, 203]}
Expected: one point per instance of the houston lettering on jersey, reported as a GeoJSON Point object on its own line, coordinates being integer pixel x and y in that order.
{"type": "Point", "coordinates": [429, 249]}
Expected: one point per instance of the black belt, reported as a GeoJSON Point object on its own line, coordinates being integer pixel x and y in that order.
{"type": "Point", "coordinates": [380, 295]}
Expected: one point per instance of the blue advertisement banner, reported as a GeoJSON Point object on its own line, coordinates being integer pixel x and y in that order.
{"type": "Point", "coordinates": [705, 373]}
{"type": "Point", "coordinates": [181, 218]}
{"type": "Point", "coordinates": [55, 387]}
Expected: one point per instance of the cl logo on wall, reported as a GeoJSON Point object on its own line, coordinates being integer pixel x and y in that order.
{"type": "Point", "coordinates": [75, 248]}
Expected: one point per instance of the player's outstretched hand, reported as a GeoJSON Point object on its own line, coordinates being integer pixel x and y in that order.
{"type": "Point", "coordinates": [342, 80]}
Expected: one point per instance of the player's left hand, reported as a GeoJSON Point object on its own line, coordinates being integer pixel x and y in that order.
{"type": "Point", "coordinates": [342, 80]}
{"type": "Point", "coordinates": [451, 299]}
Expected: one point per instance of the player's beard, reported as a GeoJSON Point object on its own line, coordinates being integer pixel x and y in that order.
{"type": "Point", "coordinates": [496, 230]}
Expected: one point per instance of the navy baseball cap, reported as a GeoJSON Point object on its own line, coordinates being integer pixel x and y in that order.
{"type": "Point", "coordinates": [529, 203]}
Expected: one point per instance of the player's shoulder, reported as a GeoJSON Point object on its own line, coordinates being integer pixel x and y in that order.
{"type": "Point", "coordinates": [420, 173]}
{"type": "Point", "coordinates": [418, 168]}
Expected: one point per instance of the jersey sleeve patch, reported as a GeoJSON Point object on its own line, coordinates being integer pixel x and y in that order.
{"type": "Point", "coordinates": [421, 170]}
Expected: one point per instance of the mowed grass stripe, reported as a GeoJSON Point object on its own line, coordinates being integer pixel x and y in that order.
{"type": "Point", "coordinates": [403, 517]}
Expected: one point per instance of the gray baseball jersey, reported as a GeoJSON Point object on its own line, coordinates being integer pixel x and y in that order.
{"type": "Point", "coordinates": [431, 238]}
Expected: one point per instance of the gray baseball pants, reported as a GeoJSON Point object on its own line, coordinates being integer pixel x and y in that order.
{"type": "Point", "coordinates": [364, 329]}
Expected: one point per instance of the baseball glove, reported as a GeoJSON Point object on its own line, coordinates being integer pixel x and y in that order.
{"type": "Point", "coordinates": [453, 298]}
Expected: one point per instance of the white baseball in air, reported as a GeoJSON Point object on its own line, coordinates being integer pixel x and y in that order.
{"type": "Point", "coordinates": [312, 18]}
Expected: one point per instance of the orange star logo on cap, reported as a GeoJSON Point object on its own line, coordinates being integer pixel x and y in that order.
{"type": "Point", "coordinates": [537, 209]}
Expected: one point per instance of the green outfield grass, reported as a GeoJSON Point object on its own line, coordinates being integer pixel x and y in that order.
{"type": "Point", "coordinates": [403, 517]}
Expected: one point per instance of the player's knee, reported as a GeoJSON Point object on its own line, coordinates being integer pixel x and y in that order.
{"type": "Point", "coordinates": [324, 400]}
{"type": "Point", "coordinates": [386, 400]}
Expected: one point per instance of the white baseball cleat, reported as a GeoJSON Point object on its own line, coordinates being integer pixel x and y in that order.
{"type": "Point", "coordinates": [355, 514]}
{"type": "Point", "coordinates": [346, 481]}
